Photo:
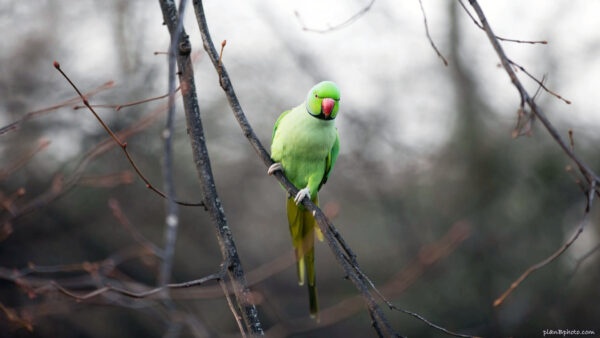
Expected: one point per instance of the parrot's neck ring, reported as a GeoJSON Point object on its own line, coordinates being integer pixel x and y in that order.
{"type": "Point", "coordinates": [320, 115]}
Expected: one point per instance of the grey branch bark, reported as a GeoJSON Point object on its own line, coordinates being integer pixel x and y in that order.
{"type": "Point", "coordinates": [172, 215]}
{"type": "Point", "coordinates": [207, 183]}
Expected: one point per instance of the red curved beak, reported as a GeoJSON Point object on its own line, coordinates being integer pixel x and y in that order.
{"type": "Point", "coordinates": [327, 106]}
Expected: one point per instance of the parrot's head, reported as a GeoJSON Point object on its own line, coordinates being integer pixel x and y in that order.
{"type": "Point", "coordinates": [323, 100]}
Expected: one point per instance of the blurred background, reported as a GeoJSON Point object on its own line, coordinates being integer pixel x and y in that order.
{"type": "Point", "coordinates": [442, 206]}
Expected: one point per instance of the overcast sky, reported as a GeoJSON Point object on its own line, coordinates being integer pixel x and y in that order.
{"type": "Point", "coordinates": [383, 62]}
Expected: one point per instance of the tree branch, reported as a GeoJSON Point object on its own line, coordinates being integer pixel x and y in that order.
{"type": "Point", "coordinates": [341, 25]}
{"type": "Point", "coordinates": [202, 162]}
{"type": "Point", "coordinates": [15, 125]}
{"type": "Point", "coordinates": [142, 294]}
{"type": "Point", "coordinates": [589, 175]}
{"type": "Point", "coordinates": [526, 98]}
{"type": "Point", "coordinates": [532, 42]}
{"type": "Point", "coordinates": [122, 145]}
{"type": "Point", "coordinates": [171, 212]}
{"type": "Point", "coordinates": [429, 36]}
{"type": "Point", "coordinates": [342, 253]}
{"type": "Point", "coordinates": [556, 254]}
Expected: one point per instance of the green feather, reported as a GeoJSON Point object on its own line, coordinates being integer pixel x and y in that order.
{"type": "Point", "coordinates": [307, 147]}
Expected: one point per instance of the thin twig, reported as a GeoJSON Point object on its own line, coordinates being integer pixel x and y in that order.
{"type": "Point", "coordinates": [221, 56]}
{"type": "Point", "coordinates": [107, 180]}
{"type": "Point", "coordinates": [556, 254]}
{"type": "Point", "coordinates": [540, 83]}
{"type": "Point", "coordinates": [123, 145]}
{"type": "Point", "coordinates": [238, 320]}
{"type": "Point", "coordinates": [13, 317]}
{"type": "Point", "coordinates": [572, 141]}
{"type": "Point", "coordinates": [416, 315]}
{"type": "Point", "coordinates": [137, 236]}
{"type": "Point", "coordinates": [24, 158]}
{"type": "Point", "coordinates": [15, 125]}
{"type": "Point", "coordinates": [532, 42]}
{"type": "Point", "coordinates": [142, 294]}
{"type": "Point", "coordinates": [60, 185]}
{"type": "Point", "coordinates": [569, 169]}
{"type": "Point", "coordinates": [581, 259]}
{"type": "Point", "coordinates": [7, 202]}
{"type": "Point", "coordinates": [429, 36]}
{"type": "Point", "coordinates": [118, 107]}
{"type": "Point", "coordinates": [341, 25]}
{"type": "Point", "coordinates": [429, 255]}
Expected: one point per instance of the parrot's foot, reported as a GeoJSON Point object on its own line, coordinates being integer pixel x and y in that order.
{"type": "Point", "coordinates": [301, 194]}
{"type": "Point", "coordinates": [274, 167]}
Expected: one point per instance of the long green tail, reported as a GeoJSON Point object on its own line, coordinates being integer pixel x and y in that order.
{"type": "Point", "coordinates": [302, 228]}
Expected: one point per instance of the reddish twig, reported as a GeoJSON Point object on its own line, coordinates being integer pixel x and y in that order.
{"type": "Point", "coordinates": [15, 125]}
{"type": "Point", "coordinates": [429, 36]}
{"type": "Point", "coordinates": [237, 317]}
{"type": "Point", "coordinates": [540, 83]}
{"type": "Point", "coordinates": [8, 202]}
{"type": "Point", "coordinates": [137, 236]}
{"type": "Point", "coordinates": [107, 180]}
{"type": "Point", "coordinates": [123, 145]}
{"type": "Point", "coordinates": [221, 57]}
{"type": "Point", "coordinates": [142, 294]}
{"type": "Point", "coordinates": [61, 186]}
{"type": "Point", "coordinates": [341, 25]}
{"type": "Point", "coordinates": [111, 262]}
{"type": "Point", "coordinates": [13, 317]}
{"type": "Point", "coordinates": [118, 107]}
{"type": "Point", "coordinates": [19, 162]}
{"type": "Point", "coordinates": [556, 254]}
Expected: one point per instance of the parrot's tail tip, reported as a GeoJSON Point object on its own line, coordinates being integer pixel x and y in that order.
{"type": "Point", "coordinates": [315, 316]}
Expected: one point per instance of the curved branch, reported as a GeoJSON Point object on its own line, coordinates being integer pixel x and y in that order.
{"type": "Point", "coordinates": [122, 145]}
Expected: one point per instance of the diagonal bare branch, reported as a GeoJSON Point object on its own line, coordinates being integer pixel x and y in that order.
{"type": "Point", "coordinates": [591, 177]}
{"type": "Point", "coordinates": [429, 36]}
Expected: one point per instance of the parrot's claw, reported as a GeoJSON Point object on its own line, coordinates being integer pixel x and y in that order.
{"type": "Point", "coordinates": [301, 194]}
{"type": "Point", "coordinates": [274, 167]}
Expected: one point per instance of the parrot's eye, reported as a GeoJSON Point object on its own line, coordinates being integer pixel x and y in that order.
{"type": "Point", "coordinates": [316, 95]}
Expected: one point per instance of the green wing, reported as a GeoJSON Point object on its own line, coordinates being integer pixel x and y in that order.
{"type": "Point", "coordinates": [277, 123]}
{"type": "Point", "coordinates": [330, 160]}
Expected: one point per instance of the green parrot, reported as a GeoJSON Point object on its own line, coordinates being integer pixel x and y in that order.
{"type": "Point", "coordinates": [305, 145]}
